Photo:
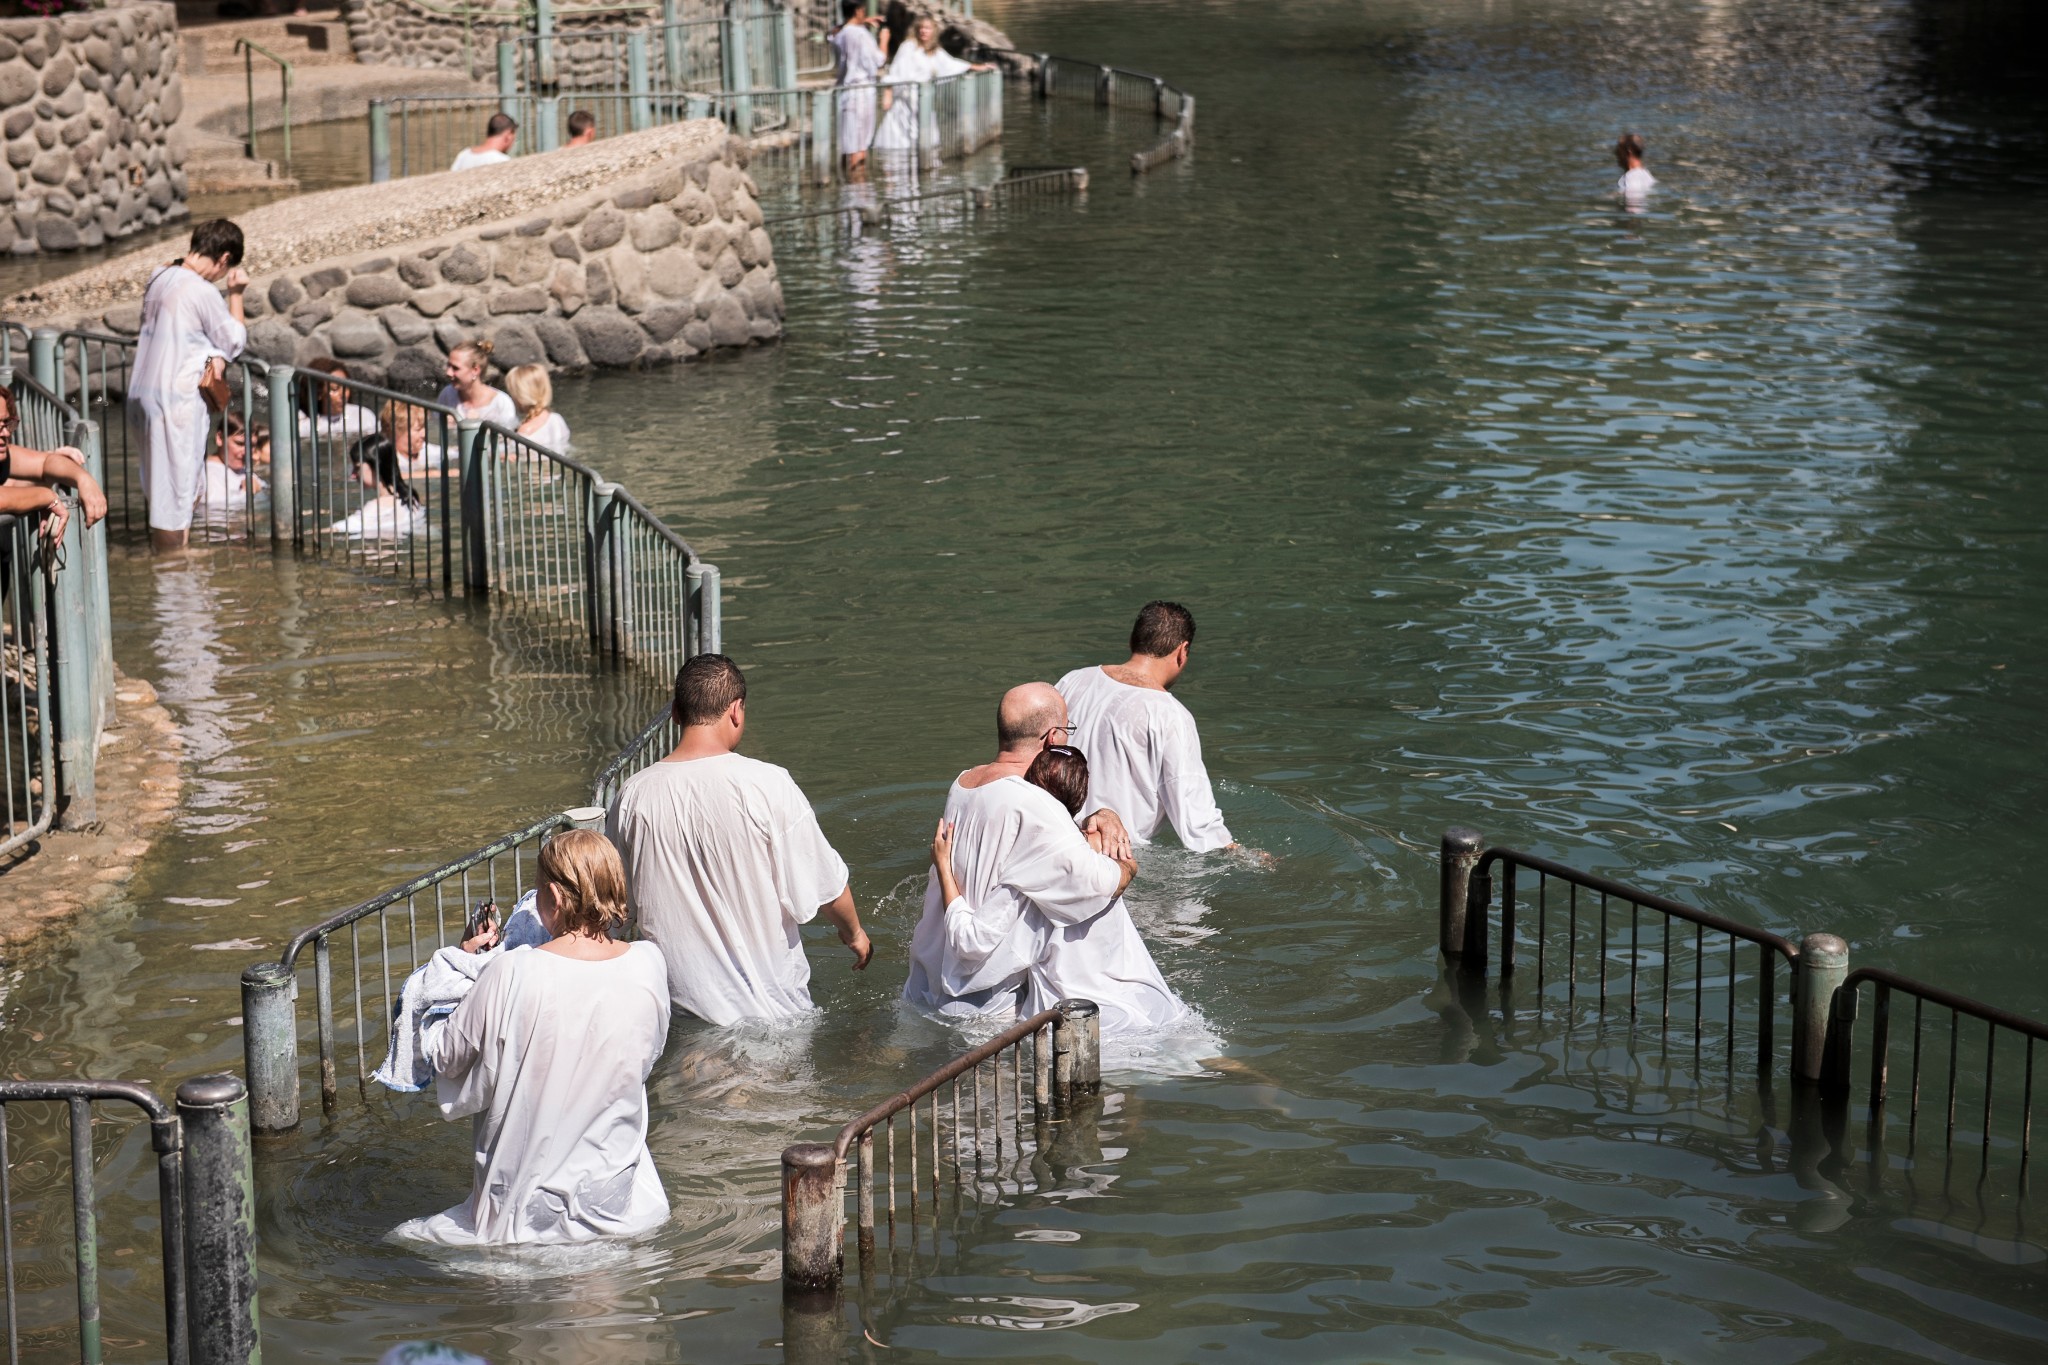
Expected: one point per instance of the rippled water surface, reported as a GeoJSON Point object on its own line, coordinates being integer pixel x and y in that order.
{"type": "Point", "coordinates": [1696, 544]}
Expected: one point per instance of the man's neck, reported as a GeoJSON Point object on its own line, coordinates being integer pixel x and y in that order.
{"type": "Point", "coordinates": [701, 741]}
{"type": "Point", "coordinates": [1143, 670]}
{"type": "Point", "coordinates": [1008, 763]}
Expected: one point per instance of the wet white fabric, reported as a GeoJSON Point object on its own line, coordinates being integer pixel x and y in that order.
{"type": "Point", "coordinates": [552, 433]}
{"type": "Point", "coordinates": [551, 1056]}
{"type": "Point", "coordinates": [468, 159]}
{"type": "Point", "coordinates": [428, 996]}
{"type": "Point", "coordinates": [915, 69]}
{"type": "Point", "coordinates": [725, 863]}
{"type": "Point", "coordinates": [1022, 865]}
{"type": "Point", "coordinates": [1636, 183]}
{"type": "Point", "coordinates": [383, 517]}
{"type": "Point", "coordinates": [184, 322]}
{"type": "Point", "coordinates": [1104, 960]}
{"type": "Point", "coordinates": [856, 60]}
{"type": "Point", "coordinates": [1144, 759]}
{"type": "Point", "coordinates": [223, 493]}
{"type": "Point", "coordinates": [498, 408]}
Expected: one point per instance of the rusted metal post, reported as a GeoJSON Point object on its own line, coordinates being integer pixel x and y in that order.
{"type": "Point", "coordinates": [270, 1045]}
{"type": "Point", "coordinates": [1816, 997]}
{"type": "Point", "coordinates": [220, 1221]}
{"type": "Point", "coordinates": [1077, 1050]}
{"type": "Point", "coordinates": [1457, 856]}
{"type": "Point", "coordinates": [811, 1214]}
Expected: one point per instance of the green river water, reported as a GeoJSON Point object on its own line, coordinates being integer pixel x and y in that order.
{"type": "Point", "coordinates": [1698, 545]}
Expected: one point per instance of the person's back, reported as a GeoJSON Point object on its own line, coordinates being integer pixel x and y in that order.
{"type": "Point", "coordinates": [559, 1088]}
{"type": "Point", "coordinates": [469, 158]}
{"type": "Point", "coordinates": [726, 864]}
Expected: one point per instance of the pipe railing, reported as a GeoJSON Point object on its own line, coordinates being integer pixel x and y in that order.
{"type": "Point", "coordinates": [1066, 1048]}
{"type": "Point", "coordinates": [28, 761]}
{"type": "Point", "coordinates": [250, 51]}
{"type": "Point", "coordinates": [1824, 992]}
{"type": "Point", "coordinates": [205, 1206]}
{"type": "Point", "coordinates": [650, 746]}
{"type": "Point", "coordinates": [729, 51]}
{"type": "Point", "coordinates": [1111, 87]}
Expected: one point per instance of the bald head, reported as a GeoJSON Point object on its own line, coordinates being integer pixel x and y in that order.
{"type": "Point", "coordinates": [1027, 712]}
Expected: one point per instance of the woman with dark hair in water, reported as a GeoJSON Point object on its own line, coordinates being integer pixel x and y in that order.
{"type": "Point", "coordinates": [1101, 959]}
{"type": "Point", "coordinates": [390, 509]}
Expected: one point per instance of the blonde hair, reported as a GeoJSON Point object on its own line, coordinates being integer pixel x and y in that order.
{"type": "Point", "coordinates": [481, 349]}
{"type": "Point", "coordinates": [530, 388]}
{"type": "Point", "coordinates": [396, 416]}
{"type": "Point", "coordinates": [589, 882]}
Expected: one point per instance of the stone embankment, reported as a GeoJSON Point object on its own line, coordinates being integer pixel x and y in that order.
{"type": "Point", "coordinates": [88, 102]}
{"type": "Point", "coordinates": [632, 252]}
{"type": "Point", "coordinates": [400, 33]}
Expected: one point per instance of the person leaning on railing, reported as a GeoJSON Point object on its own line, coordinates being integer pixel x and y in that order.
{"type": "Point", "coordinates": [30, 479]}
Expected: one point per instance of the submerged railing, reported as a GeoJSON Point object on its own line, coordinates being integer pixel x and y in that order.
{"type": "Point", "coordinates": [1708, 983]}
{"type": "Point", "coordinates": [1111, 87]}
{"type": "Point", "coordinates": [730, 51]}
{"type": "Point", "coordinates": [205, 1207]}
{"type": "Point", "coordinates": [1066, 1048]}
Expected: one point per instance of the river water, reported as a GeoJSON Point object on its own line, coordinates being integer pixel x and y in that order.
{"type": "Point", "coordinates": [1694, 545]}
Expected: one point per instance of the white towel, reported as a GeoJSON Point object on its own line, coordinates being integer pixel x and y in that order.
{"type": "Point", "coordinates": [433, 992]}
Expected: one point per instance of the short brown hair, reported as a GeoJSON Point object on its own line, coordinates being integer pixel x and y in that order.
{"type": "Point", "coordinates": [1161, 628]}
{"type": "Point", "coordinates": [705, 687]}
{"type": "Point", "coordinates": [1630, 145]}
{"type": "Point", "coordinates": [581, 121]}
{"type": "Point", "coordinates": [589, 881]}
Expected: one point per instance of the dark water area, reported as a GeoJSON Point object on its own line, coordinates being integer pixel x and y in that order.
{"type": "Point", "coordinates": [1697, 545]}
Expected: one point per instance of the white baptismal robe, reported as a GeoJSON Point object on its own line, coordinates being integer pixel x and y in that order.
{"type": "Point", "coordinates": [551, 1054]}
{"type": "Point", "coordinates": [857, 59]}
{"type": "Point", "coordinates": [911, 71]}
{"type": "Point", "coordinates": [1144, 759]}
{"type": "Point", "coordinates": [185, 321]}
{"type": "Point", "coordinates": [724, 865]}
{"type": "Point", "coordinates": [1103, 960]}
{"type": "Point", "coordinates": [1023, 865]}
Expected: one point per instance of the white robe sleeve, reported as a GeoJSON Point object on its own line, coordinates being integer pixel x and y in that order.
{"type": "Point", "coordinates": [217, 324]}
{"type": "Point", "coordinates": [944, 63]}
{"type": "Point", "coordinates": [809, 873]}
{"type": "Point", "coordinates": [1056, 870]}
{"type": "Point", "coordinates": [461, 1048]}
{"type": "Point", "coordinates": [1184, 790]}
{"type": "Point", "coordinates": [983, 951]}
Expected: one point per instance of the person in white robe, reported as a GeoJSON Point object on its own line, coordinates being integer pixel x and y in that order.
{"type": "Point", "coordinates": [857, 58]}
{"type": "Point", "coordinates": [1144, 753]}
{"type": "Point", "coordinates": [226, 483]}
{"type": "Point", "coordinates": [1022, 864]}
{"type": "Point", "coordinates": [390, 509]}
{"type": "Point", "coordinates": [187, 326]}
{"type": "Point", "coordinates": [725, 862]}
{"type": "Point", "coordinates": [466, 391]}
{"type": "Point", "coordinates": [911, 72]}
{"type": "Point", "coordinates": [1100, 958]}
{"type": "Point", "coordinates": [549, 1052]}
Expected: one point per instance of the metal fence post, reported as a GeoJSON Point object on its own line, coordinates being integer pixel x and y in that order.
{"type": "Point", "coordinates": [380, 143]}
{"type": "Point", "coordinates": [1076, 1050]}
{"type": "Point", "coordinates": [785, 60]}
{"type": "Point", "coordinates": [508, 70]}
{"type": "Point", "coordinates": [270, 1045]}
{"type": "Point", "coordinates": [220, 1222]}
{"type": "Point", "coordinates": [710, 630]}
{"type": "Point", "coordinates": [824, 143]}
{"type": "Point", "coordinates": [672, 44]}
{"type": "Point", "coordinates": [547, 124]}
{"type": "Point", "coordinates": [543, 43]}
{"type": "Point", "coordinates": [812, 1210]}
{"type": "Point", "coordinates": [640, 109]}
{"type": "Point", "coordinates": [733, 32]}
{"type": "Point", "coordinates": [584, 817]}
{"type": "Point", "coordinates": [597, 569]}
{"type": "Point", "coordinates": [927, 122]}
{"type": "Point", "coordinates": [476, 564]}
{"type": "Point", "coordinates": [43, 346]}
{"type": "Point", "coordinates": [1457, 856]}
{"type": "Point", "coordinates": [85, 435]}
{"type": "Point", "coordinates": [1102, 80]}
{"type": "Point", "coordinates": [76, 656]}
{"type": "Point", "coordinates": [1816, 996]}
{"type": "Point", "coordinates": [284, 444]}
{"type": "Point", "coordinates": [1041, 77]}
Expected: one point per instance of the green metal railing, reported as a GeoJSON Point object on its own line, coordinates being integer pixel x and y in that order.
{"type": "Point", "coordinates": [753, 45]}
{"type": "Point", "coordinates": [28, 762]}
{"type": "Point", "coordinates": [250, 51]}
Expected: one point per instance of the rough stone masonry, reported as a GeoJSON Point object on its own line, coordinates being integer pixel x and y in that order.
{"type": "Point", "coordinates": [632, 252]}
{"type": "Point", "coordinates": [87, 105]}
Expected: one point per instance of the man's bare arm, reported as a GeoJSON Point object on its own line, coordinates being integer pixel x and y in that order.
{"type": "Point", "coordinates": [841, 913]}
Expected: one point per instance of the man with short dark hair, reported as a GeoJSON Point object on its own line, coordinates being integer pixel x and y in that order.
{"type": "Point", "coordinates": [1144, 754]}
{"type": "Point", "coordinates": [499, 135]}
{"type": "Point", "coordinates": [582, 128]}
{"type": "Point", "coordinates": [725, 861]}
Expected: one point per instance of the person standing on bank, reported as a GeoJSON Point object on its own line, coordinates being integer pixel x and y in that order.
{"type": "Point", "coordinates": [550, 1051]}
{"type": "Point", "coordinates": [189, 333]}
{"type": "Point", "coordinates": [725, 862]}
{"type": "Point", "coordinates": [499, 135]}
{"type": "Point", "coordinates": [857, 58]}
{"type": "Point", "coordinates": [1144, 754]}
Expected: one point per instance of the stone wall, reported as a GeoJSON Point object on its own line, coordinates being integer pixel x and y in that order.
{"type": "Point", "coordinates": [635, 251]}
{"type": "Point", "coordinates": [398, 33]}
{"type": "Point", "coordinates": [89, 100]}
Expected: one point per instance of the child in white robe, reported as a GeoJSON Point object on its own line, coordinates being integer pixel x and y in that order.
{"type": "Point", "coordinates": [550, 1051]}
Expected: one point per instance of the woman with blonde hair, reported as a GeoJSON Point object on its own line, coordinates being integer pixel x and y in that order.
{"type": "Point", "coordinates": [532, 393]}
{"type": "Point", "coordinates": [408, 427]}
{"type": "Point", "coordinates": [550, 1051]}
{"type": "Point", "coordinates": [466, 391]}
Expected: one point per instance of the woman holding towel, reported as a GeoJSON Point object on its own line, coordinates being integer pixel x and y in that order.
{"type": "Point", "coordinates": [550, 1051]}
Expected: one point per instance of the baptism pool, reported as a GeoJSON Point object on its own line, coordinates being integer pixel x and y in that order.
{"type": "Point", "coordinates": [1697, 545]}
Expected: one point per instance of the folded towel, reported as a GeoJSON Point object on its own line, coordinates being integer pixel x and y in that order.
{"type": "Point", "coordinates": [433, 992]}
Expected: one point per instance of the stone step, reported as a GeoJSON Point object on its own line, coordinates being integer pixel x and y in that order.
{"type": "Point", "coordinates": [210, 50]}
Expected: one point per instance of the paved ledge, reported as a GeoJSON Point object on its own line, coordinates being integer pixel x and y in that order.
{"type": "Point", "coordinates": [138, 786]}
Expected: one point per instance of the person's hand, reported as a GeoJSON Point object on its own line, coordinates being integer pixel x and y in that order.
{"type": "Point", "coordinates": [56, 514]}
{"type": "Point", "coordinates": [236, 280]}
{"type": "Point", "coordinates": [1116, 840]}
{"type": "Point", "coordinates": [92, 499]}
{"type": "Point", "coordinates": [856, 940]}
{"type": "Point", "coordinates": [942, 845]}
{"type": "Point", "coordinates": [486, 935]}
{"type": "Point", "coordinates": [1257, 857]}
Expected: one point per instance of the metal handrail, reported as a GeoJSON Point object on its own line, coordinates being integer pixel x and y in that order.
{"type": "Point", "coordinates": [249, 50]}
{"type": "Point", "coordinates": [167, 1138]}
{"type": "Point", "coordinates": [959, 1066]}
{"type": "Point", "coordinates": [632, 758]}
{"type": "Point", "coordinates": [30, 763]}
